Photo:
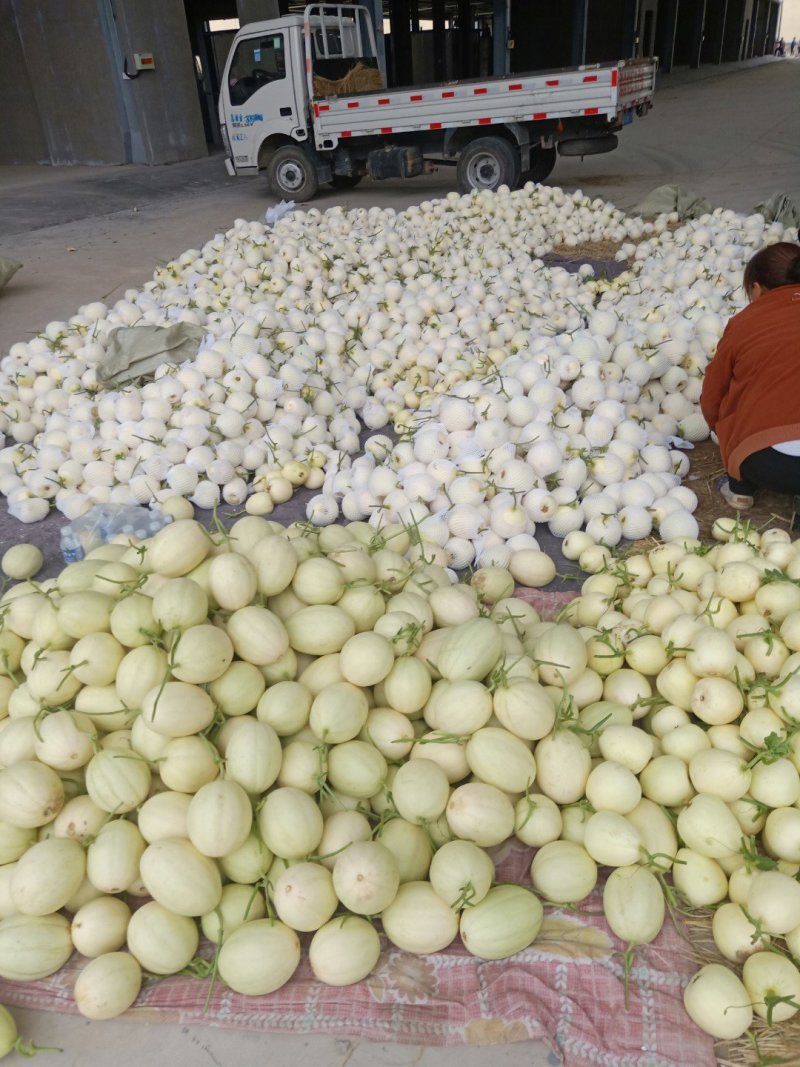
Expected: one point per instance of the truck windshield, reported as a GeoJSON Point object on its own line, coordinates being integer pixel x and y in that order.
{"type": "Point", "coordinates": [257, 61]}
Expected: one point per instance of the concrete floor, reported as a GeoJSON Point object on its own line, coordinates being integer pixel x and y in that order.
{"type": "Point", "coordinates": [84, 233]}
{"type": "Point", "coordinates": [87, 1044]}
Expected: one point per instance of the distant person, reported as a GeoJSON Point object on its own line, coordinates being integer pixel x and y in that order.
{"type": "Point", "coordinates": [751, 396]}
{"type": "Point", "coordinates": [793, 46]}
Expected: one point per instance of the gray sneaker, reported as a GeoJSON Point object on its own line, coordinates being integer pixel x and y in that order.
{"type": "Point", "coordinates": [739, 501]}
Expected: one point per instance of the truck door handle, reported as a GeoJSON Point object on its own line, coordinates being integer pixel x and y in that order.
{"type": "Point", "coordinates": [286, 111]}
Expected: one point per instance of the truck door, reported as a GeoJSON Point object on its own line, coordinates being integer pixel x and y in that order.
{"type": "Point", "coordinates": [261, 95]}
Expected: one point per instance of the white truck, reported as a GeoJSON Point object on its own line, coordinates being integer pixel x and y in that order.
{"type": "Point", "coordinates": [304, 98]}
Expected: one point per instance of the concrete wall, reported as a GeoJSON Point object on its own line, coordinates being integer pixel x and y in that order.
{"type": "Point", "coordinates": [162, 104]}
{"type": "Point", "coordinates": [65, 97]}
{"type": "Point", "coordinates": [70, 73]}
{"type": "Point", "coordinates": [23, 139]}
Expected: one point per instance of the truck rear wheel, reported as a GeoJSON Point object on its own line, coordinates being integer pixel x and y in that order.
{"type": "Point", "coordinates": [292, 175]}
{"type": "Point", "coordinates": [541, 166]}
{"type": "Point", "coordinates": [488, 163]}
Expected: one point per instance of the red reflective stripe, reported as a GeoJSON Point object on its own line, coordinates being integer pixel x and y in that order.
{"type": "Point", "coordinates": [592, 111]}
{"type": "Point", "coordinates": [384, 100]}
{"type": "Point", "coordinates": [345, 133]}
{"type": "Point", "coordinates": [590, 78]}
{"type": "Point", "coordinates": [324, 107]}
{"type": "Point", "coordinates": [479, 92]}
{"type": "Point", "coordinates": [316, 111]}
{"type": "Point", "coordinates": [352, 103]}
{"type": "Point", "coordinates": [446, 95]}
{"type": "Point", "coordinates": [614, 76]}
{"type": "Point", "coordinates": [554, 81]}
{"type": "Point", "coordinates": [386, 129]}
{"type": "Point", "coordinates": [436, 125]}
{"type": "Point", "coordinates": [415, 98]}
{"type": "Point", "coordinates": [513, 88]}
{"type": "Point", "coordinates": [540, 115]}
{"type": "Point", "coordinates": [484, 122]}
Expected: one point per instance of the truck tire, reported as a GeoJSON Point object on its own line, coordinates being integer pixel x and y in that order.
{"type": "Point", "coordinates": [345, 181]}
{"type": "Point", "coordinates": [541, 166]}
{"type": "Point", "coordinates": [588, 146]}
{"type": "Point", "coordinates": [488, 163]}
{"type": "Point", "coordinates": [291, 174]}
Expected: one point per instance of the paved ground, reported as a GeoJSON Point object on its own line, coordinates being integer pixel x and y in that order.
{"type": "Point", "coordinates": [88, 1044]}
{"type": "Point", "coordinates": [83, 233]}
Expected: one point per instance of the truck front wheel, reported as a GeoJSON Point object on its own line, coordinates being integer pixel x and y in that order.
{"type": "Point", "coordinates": [291, 174]}
{"type": "Point", "coordinates": [488, 163]}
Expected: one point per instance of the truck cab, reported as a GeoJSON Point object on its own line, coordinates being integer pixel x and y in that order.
{"type": "Point", "coordinates": [263, 101]}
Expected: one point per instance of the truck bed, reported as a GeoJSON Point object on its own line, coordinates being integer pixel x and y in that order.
{"type": "Point", "coordinates": [607, 91]}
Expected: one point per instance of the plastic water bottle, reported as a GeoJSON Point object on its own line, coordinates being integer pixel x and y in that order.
{"type": "Point", "coordinates": [71, 547]}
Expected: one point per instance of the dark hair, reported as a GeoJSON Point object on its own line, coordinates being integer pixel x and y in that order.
{"type": "Point", "coordinates": [773, 266]}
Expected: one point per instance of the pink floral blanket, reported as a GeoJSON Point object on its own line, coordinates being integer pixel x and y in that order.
{"type": "Point", "coordinates": [567, 990]}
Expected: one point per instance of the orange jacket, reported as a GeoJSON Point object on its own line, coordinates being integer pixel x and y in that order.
{"type": "Point", "coordinates": [751, 391]}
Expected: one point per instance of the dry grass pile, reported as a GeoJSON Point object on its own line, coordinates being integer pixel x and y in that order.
{"type": "Point", "coordinates": [762, 1046]}
{"type": "Point", "coordinates": [359, 79]}
{"type": "Point", "coordinates": [587, 250]}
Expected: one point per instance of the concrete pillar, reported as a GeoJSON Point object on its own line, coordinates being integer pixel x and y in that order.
{"type": "Point", "coordinates": [257, 10]}
{"type": "Point", "coordinates": [464, 39]}
{"type": "Point", "coordinates": [698, 28]}
{"type": "Point", "coordinates": [500, 57]}
{"type": "Point", "coordinates": [723, 23]}
{"type": "Point", "coordinates": [401, 43]}
{"type": "Point", "coordinates": [647, 27]}
{"type": "Point", "coordinates": [668, 15]}
{"type": "Point", "coordinates": [734, 30]}
{"type": "Point", "coordinates": [714, 33]}
{"type": "Point", "coordinates": [630, 29]}
{"type": "Point", "coordinates": [75, 83]}
{"type": "Point", "coordinates": [162, 106]}
{"type": "Point", "coordinates": [375, 8]}
{"type": "Point", "coordinates": [439, 41]}
{"type": "Point", "coordinates": [75, 54]}
{"type": "Point", "coordinates": [755, 47]}
{"type": "Point", "coordinates": [772, 27]}
{"type": "Point", "coordinates": [580, 22]}
{"type": "Point", "coordinates": [23, 139]}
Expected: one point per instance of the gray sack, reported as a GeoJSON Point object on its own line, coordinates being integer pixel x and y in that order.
{"type": "Point", "coordinates": [135, 352]}
{"type": "Point", "coordinates": [668, 198]}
